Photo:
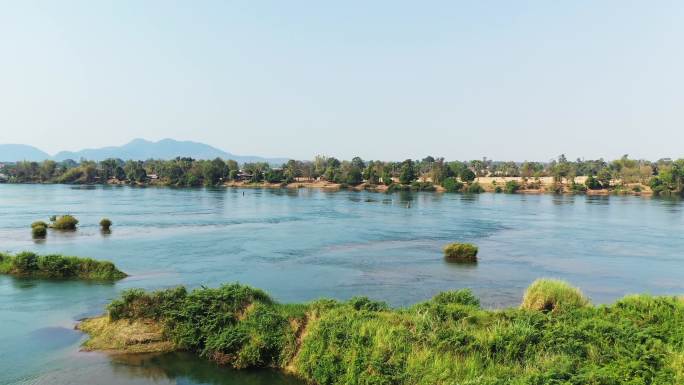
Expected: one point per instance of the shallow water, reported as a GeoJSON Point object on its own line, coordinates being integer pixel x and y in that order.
{"type": "Point", "coordinates": [305, 244]}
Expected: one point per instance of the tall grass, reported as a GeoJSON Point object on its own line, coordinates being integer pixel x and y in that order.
{"type": "Point", "coordinates": [28, 264]}
{"type": "Point", "coordinates": [446, 340]}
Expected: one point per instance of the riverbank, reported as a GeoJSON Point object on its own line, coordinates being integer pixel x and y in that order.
{"type": "Point", "coordinates": [556, 336]}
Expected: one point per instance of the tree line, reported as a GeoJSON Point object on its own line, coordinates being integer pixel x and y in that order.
{"type": "Point", "coordinates": [664, 176]}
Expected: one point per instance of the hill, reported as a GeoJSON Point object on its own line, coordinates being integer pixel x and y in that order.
{"type": "Point", "coordinates": [15, 152]}
{"type": "Point", "coordinates": [138, 149]}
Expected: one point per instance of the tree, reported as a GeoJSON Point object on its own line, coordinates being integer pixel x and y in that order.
{"type": "Point", "coordinates": [407, 173]}
{"type": "Point", "coordinates": [467, 175]}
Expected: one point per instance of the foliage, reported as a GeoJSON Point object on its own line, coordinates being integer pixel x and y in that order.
{"type": "Point", "coordinates": [38, 231]}
{"type": "Point", "coordinates": [38, 224]}
{"type": "Point", "coordinates": [64, 222]}
{"type": "Point", "coordinates": [28, 264]}
{"type": "Point", "coordinates": [552, 295]}
{"type": "Point", "coordinates": [474, 188]}
{"type": "Point", "coordinates": [592, 183]}
{"type": "Point", "coordinates": [511, 186]}
{"type": "Point", "coordinates": [105, 223]}
{"type": "Point", "coordinates": [452, 184]}
{"type": "Point", "coordinates": [446, 340]}
{"type": "Point", "coordinates": [460, 252]}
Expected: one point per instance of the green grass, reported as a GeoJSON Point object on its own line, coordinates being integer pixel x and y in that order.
{"type": "Point", "coordinates": [28, 264]}
{"type": "Point", "coordinates": [460, 252]}
{"type": "Point", "coordinates": [552, 295]}
{"type": "Point", "coordinates": [446, 340]}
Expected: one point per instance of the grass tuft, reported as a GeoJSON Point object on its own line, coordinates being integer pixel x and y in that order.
{"type": "Point", "coordinates": [552, 295]}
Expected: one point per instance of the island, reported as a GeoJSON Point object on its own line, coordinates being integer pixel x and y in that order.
{"type": "Point", "coordinates": [555, 336]}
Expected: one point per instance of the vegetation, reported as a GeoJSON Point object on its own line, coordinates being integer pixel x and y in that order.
{"type": "Point", "coordinates": [552, 295]}
{"type": "Point", "coordinates": [664, 176]}
{"type": "Point", "coordinates": [38, 224]}
{"type": "Point", "coordinates": [446, 340]}
{"type": "Point", "coordinates": [28, 264]}
{"type": "Point", "coordinates": [38, 231]}
{"type": "Point", "coordinates": [64, 222]}
{"type": "Point", "coordinates": [512, 186]}
{"type": "Point", "coordinates": [105, 224]}
{"type": "Point", "coordinates": [460, 252]}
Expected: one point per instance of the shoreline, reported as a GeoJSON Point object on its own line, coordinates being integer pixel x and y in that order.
{"type": "Point", "coordinates": [645, 191]}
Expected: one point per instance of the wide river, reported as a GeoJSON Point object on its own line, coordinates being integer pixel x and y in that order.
{"type": "Point", "coordinates": [304, 244]}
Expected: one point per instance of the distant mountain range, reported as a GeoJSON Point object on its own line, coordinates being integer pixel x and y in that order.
{"type": "Point", "coordinates": [138, 149]}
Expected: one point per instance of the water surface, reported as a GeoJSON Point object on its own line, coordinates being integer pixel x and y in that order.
{"type": "Point", "coordinates": [304, 244]}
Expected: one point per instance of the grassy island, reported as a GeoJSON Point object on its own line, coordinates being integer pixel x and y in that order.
{"type": "Point", "coordinates": [27, 264]}
{"type": "Point", "coordinates": [446, 340]}
{"type": "Point", "coordinates": [460, 252]}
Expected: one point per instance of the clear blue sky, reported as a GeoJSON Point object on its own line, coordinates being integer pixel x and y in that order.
{"type": "Point", "coordinates": [510, 80]}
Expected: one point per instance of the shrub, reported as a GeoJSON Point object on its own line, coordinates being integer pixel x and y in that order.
{"type": "Point", "coordinates": [460, 252]}
{"type": "Point", "coordinates": [65, 222]}
{"type": "Point", "coordinates": [511, 186]}
{"type": "Point", "coordinates": [552, 295]}
{"type": "Point", "coordinates": [105, 223]}
{"type": "Point", "coordinates": [592, 183]}
{"type": "Point", "coordinates": [38, 224]}
{"type": "Point", "coordinates": [25, 262]}
{"type": "Point", "coordinates": [39, 231]}
{"type": "Point", "coordinates": [474, 188]}
{"type": "Point", "coordinates": [461, 297]}
{"type": "Point", "coordinates": [452, 184]}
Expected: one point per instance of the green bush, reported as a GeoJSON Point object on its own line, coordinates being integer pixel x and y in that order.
{"type": "Point", "coordinates": [105, 223]}
{"type": "Point", "coordinates": [512, 186]}
{"type": "Point", "coordinates": [592, 183]}
{"type": "Point", "coordinates": [460, 252]}
{"type": "Point", "coordinates": [475, 188]}
{"type": "Point", "coordinates": [39, 231]}
{"type": "Point", "coordinates": [65, 222]}
{"type": "Point", "coordinates": [552, 295]}
{"type": "Point", "coordinates": [38, 224]}
{"type": "Point", "coordinates": [29, 264]}
{"type": "Point", "coordinates": [452, 184]}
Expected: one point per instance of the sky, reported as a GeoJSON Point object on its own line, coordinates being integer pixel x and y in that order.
{"type": "Point", "coordinates": [509, 80]}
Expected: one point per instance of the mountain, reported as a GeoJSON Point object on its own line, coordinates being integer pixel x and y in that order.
{"type": "Point", "coordinates": [138, 149]}
{"type": "Point", "coordinates": [15, 152]}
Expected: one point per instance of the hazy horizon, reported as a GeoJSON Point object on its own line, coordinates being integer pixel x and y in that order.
{"type": "Point", "coordinates": [384, 80]}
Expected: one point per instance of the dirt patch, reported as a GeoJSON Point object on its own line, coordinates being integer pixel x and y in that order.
{"type": "Point", "coordinates": [125, 336]}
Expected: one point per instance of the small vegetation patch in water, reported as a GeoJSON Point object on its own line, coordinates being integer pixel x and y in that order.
{"type": "Point", "coordinates": [105, 224]}
{"type": "Point", "coordinates": [460, 252]}
{"type": "Point", "coordinates": [64, 222]}
{"type": "Point", "coordinates": [446, 340]}
{"type": "Point", "coordinates": [28, 264]}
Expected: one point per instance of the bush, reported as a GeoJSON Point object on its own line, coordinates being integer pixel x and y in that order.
{"type": "Point", "coordinates": [105, 223]}
{"type": "Point", "coordinates": [511, 187]}
{"type": "Point", "coordinates": [38, 224]}
{"type": "Point", "coordinates": [460, 252]}
{"type": "Point", "coordinates": [461, 297]}
{"type": "Point", "coordinates": [65, 222]}
{"type": "Point", "coordinates": [475, 188]}
{"type": "Point", "coordinates": [592, 183]}
{"type": "Point", "coordinates": [452, 184]}
{"type": "Point", "coordinates": [550, 295]}
{"type": "Point", "coordinates": [39, 231]}
{"type": "Point", "coordinates": [25, 262]}
{"type": "Point", "coordinates": [422, 186]}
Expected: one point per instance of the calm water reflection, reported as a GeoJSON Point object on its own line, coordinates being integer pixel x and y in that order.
{"type": "Point", "coordinates": [305, 244]}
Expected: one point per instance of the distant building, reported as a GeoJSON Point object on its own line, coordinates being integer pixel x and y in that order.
{"type": "Point", "coordinates": [153, 176]}
{"type": "Point", "coordinates": [242, 175]}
